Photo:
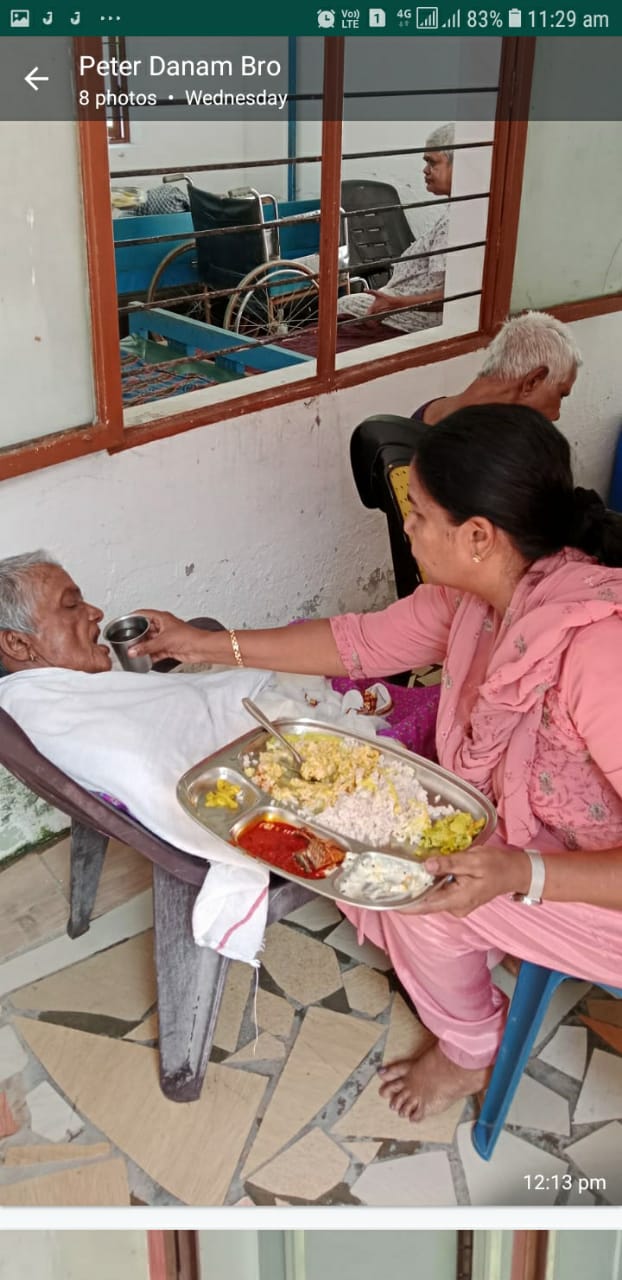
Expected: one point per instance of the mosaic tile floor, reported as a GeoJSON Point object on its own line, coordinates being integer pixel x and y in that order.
{"type": "Point", "coordinates": [288, 1115]}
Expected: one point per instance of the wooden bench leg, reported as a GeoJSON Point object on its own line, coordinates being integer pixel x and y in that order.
{"type": "Point", "coordinates": [88, 850]}
{"type": "Point", "coordinates": [190, 985]}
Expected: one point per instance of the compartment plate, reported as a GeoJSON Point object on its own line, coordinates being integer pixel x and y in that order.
{"type": "Point", "coordinates": [435, 780]}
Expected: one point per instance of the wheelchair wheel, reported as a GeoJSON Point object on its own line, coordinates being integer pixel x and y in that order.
{"type": "Point", "coordinates": [191, 305]}
{"type": "Point", "coordinates": [275, 300]}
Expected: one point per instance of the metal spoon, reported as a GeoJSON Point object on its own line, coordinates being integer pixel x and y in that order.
{"type": "Point", "coordinates": [267, 724]}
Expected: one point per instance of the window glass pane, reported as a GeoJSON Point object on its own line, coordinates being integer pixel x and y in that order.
{"type": "Point", "coordinates": [415, 181]}
{"type": "Point", "coordinates": [569, 237]}
{"type": "Point", "coordinates": [205, 243]}
{"type": "Point", "coordinates": [45, 352]}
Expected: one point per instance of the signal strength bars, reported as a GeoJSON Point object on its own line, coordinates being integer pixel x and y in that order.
{"type": "Point", "coordinates": [453, 22]}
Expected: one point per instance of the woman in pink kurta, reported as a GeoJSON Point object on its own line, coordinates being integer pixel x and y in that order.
{"type": "Point", "coordinates": [524, 611]}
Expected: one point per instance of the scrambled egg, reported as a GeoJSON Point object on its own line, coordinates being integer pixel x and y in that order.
{"type": "Point", "coordinates": [448, 835]}
{"type": "Point", "coordinates": [331, 768]}
{"type": "Point", "coordinates": [224, 796]}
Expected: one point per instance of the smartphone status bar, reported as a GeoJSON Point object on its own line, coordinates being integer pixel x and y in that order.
{"type": "Point", "coordinates": [278, 18]}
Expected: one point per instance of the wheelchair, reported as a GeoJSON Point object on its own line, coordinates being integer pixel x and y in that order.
{"type": "Point", "coordinates": [267, 272]}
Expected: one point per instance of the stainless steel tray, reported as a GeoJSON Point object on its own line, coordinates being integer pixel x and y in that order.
{"type": "Point", "coordinates": [227, 763]}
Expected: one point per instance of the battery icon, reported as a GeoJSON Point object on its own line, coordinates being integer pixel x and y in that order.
{"type": "Point", "coordinates": [515, 18]}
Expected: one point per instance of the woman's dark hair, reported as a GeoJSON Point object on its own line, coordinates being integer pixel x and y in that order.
{"type": "Point", "coordinates": [510, 464]}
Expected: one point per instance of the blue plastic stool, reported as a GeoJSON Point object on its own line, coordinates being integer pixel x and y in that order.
{"type": "Point", "coordinates": [534, 987]}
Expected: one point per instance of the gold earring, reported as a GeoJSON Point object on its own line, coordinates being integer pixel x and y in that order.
{"type": "Point", "coordinates": [477, 559]}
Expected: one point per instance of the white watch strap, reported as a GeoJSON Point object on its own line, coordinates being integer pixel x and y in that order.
{"type": "Point", "coordinates": [538, 876]}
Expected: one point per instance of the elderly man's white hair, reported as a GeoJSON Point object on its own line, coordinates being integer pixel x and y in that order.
{"type": "Point", "coordinates": [442, 139]}
{"type": "Point", "coordinates": [528, 342]}
{"type": "Point", "coordinates": [17, 594]}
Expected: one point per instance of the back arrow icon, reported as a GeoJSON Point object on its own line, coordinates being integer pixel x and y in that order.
{"type": "Point", "coordinates": [32, 78]}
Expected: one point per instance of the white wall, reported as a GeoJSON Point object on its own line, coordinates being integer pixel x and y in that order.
{"type": "Point", "coordinates": [257, 520]}
{"type": "Point", "coordinates": [73, 1255]}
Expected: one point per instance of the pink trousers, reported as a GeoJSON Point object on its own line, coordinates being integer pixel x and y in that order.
{"type": "Point", "coordinates": [441, 961]}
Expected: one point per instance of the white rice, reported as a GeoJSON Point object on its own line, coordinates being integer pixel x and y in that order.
{"type": "Point", "coordinates": [396, 811]}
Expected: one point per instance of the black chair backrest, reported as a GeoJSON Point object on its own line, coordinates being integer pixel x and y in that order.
{"type": "Point", "coordinates": [224, 259]}
{"type": "Point", "coordinates": [377, 446]}
{"type": "Point", "coordinates": [374, 235]}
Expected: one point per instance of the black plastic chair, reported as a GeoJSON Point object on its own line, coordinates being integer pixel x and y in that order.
{"type": "Point", "coordinates": [371, 236]}
{"type": "Point", "coordinates": [190, 979]}
{"type": "Point", "coordinates": [381, 449]}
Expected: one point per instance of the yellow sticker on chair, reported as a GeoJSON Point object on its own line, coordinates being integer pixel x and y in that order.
{"type": "Point", "coordinates": [398, 480]}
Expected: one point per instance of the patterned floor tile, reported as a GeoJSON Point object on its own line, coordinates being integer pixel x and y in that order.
{"type": "Point", "coordinates": [367, 990]}
{"type": "Point", "coordinates": [306, 1170]}
{"type": "Point", "coordinates": [328, 1048]}
{"type": "Point", "coordinates": [12, 1056]}
{"type": "Point", "coordinates": [125, 874]}
{"type": "Point", "coordinates": [316, 915]}
{"type": "Point", "coordinates": [32, 906]}
{"type": "Point", "coordinates": [145, 1031]}
{"type": "Point", "coordinates": [567, 1051]}
{"type": "Point", "coordinates": [307, 1118]}
{"type": "Point", "coordinates": [265, 1048]}
{"type": "Point", "coordinates": [364, 1152]}
{"type": "Point", "coordinates": [344, 939]}
{"type": "Point", "coordinates": [422, 1180]}
{"type": "Point", "coordinates": [601, 1095]}
{"type": "Point", "coordinates": [536, 1107]}
{"type": "Point", "coordinates": [8, 1123]}
{"type": "Point", "coordinates": [305, 969]}
{"type": "Point", "coordinates": [124, 922]}
{"type": "Point", "coordinates": [55, 1153]}
{"type": "Point", "coordinates": [103, 1183]}
{"type": "Point", "coordinates": [503, 1180]}
{"type": "Point", "coordinates": [274, 1014]}
{"type": "Point", "coordinates": [235, 997]}
{"type": "Point", "coordinates": [119, 983]}
{"type": "Point", "coordinates": [192, 1150]}
{"type": "Point", "coordinates": [51, 1116]}
{"type": "Point", "coordinates": [598, 1157]}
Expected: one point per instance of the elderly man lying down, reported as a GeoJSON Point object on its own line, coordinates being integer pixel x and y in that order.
{"type": "Point", "coordinates": [130, 737]}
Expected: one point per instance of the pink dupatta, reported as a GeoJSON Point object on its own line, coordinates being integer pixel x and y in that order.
{"type": "Point", "coordinates": [494, 749]}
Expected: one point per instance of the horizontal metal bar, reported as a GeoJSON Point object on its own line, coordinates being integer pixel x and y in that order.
{"type": "Point", "coordinates": [292, 220]}
{"type": "Point", "coordinates": [360, 93]}
{"type": "Point", "coordinates": [270, 163]}
{"type": "Point", "coordinates": [248, 342]}
{"type": "Point", "coordinates": [344, 322]}
{"type": "Point", "coordinates": [284, 279]}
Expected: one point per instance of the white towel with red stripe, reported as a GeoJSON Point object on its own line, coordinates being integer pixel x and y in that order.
{"type": "Point", "coordinates": [131, 737]}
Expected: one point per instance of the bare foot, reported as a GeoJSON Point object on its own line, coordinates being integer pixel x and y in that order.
{"type": "Point", "coordinates": [421, 1087]}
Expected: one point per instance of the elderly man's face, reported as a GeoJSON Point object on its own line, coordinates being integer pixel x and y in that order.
{"type": "Point", "coordinates": [437, 171]}
{"type": "Point", "coordinates": [66, 627]}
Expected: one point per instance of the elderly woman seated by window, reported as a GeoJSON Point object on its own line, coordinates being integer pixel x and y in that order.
{"type": "Point", "coordinates": [524, 609]}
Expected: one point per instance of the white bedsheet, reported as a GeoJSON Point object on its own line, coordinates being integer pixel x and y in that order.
{"type": "Point", "coordinates": [132, 737]}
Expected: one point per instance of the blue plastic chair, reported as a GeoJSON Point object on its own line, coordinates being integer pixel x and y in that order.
{"type": "Point", "coordinates": [534, 987]}
{"type": "Point", "coordinates": [615, 492]}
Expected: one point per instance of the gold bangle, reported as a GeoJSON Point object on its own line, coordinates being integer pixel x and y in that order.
{"type": "Point", "coordinates": [236, 649]}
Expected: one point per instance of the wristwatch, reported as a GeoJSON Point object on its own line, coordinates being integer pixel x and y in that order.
{"type": "Point", "coordinates": [533, 896]}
